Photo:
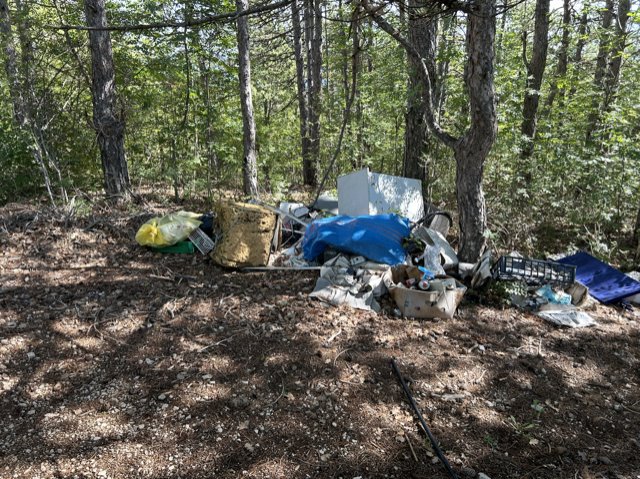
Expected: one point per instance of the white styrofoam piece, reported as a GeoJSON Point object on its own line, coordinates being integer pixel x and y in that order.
{"type": "Point", "coordinates": [366, 193]}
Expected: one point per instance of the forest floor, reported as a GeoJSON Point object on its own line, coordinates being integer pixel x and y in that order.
{"type": "Point", "coordinates": [116, 362]}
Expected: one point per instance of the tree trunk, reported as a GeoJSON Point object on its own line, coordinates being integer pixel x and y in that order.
{"type": "Point", "coordinates": [313, 42]}
{"type": "Point", "coordinates": [636, 234]}
{"type": "Point", "coordinates": [107, 120]}
{"type": "Point", "coordinates": [472, 149]}
{"type": "Point", "coordinates": [563, 57]}
{"type": "Point", "coordinates": [249, 162]}
{"type": "Point", "coordinates": [22, 98]}
{"type": "Point", "coordinates": [582, 40]}
{"type": "Point", "coordinates": [302, 92]}
{"type": "Point", "coordinates": [422, 35]}
{"type": "Point", "coordinates": [612, 77]}
{"type": "Point", "coordinates": [535, 71]}
{"type": "Point", "coordinates": [601, 69]}
{"type": "Point", "coordinates": [11, 64]}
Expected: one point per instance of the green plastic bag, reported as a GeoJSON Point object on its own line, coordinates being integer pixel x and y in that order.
{"type": "Point", "coordinates": [168, 230]}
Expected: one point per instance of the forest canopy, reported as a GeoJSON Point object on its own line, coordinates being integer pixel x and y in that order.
{"type": "Point", "coordinates": [551, 142]}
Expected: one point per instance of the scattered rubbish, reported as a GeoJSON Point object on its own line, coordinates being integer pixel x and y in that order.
{"type": "Point", "coordinates": [440, 301]}
{"type": "Point", "coordinates": [437, 250]}
{"type": "Point", "coordinates": [553, 297]}
{"type": "Point", "coordinates": [365, 193]}
{"type": "Point", "coordinates": [182, 247]}
{"type": "Point", "coordinates": [415, 408]}
{"type": "Point", "coordinates": [437, 220]}
{"type": "Point", "coordinates": [246, 234]}
{"type": "Point", "coordinates": [168, 230]}
{"type": "Point", "coordinates": [570, 318]}
{"type": "Point", "coordinates": [605, 283]}
{"type": "Point", "coordinates": [327, 204]}
{"type": "Point", "coordinates": [201, 241]}
{"type": "Point", "coordinates": [378, 238]}
{"type": "Point", "coordinates": [635, 299]}
{"type": "Point", "coordinates": [481, 272]}
{"type": "Point", "coordinates": [342, 283]}
{"type": "Point", "coordinates": [534, 271]}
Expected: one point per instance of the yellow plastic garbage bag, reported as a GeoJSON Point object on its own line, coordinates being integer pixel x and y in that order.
{"type": "Point", "coordinates": [168, 230]}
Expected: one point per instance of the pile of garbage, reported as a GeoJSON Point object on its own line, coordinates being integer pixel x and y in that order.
{"type": "Point", "coordinates": [382, 243]}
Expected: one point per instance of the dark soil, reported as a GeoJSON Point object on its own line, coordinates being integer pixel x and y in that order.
{"type": "Point", "coordinates": [118, 362]}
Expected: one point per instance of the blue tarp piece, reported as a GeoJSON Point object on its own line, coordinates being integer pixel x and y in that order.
{"type": "Point", "coordinates": [376, 237]}
{"type": "Point", "coordinates": [605, 283]}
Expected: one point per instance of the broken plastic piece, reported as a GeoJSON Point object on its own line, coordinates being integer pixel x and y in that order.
{"type": "Point", "coordinates": [570, 318]}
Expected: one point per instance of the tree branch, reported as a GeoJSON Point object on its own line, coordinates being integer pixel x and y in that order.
{"type": "Point", "coordinates": [437, 130]}
{"type": "Point", "coordinates": [231, 16]}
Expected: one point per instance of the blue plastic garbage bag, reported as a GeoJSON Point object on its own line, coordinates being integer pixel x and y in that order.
{"type": "Point", "coordinates": [376, 237]}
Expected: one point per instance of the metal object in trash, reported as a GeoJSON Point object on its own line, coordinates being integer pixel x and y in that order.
{"type": "Point", "coordinates": [201, 241]}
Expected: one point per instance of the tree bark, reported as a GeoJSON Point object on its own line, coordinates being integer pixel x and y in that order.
{"type": "Point", "coordinates": [582, 40]}
{"type": "Point", "coordinates": [313, 43]}
{"type": "Point", "coordinates": [11, 63]}
{"type": "Point", "coordinates": [601, 69]}
{"type": "Point", "coordinates": [301, 88]}
{"type": "Point", "coordinates": [612, 77]}
{"type": "Point", "coordinates": [563, 57]}
{"type": "Point", "coordinates": [636, 234]}
{"type": "Point", "coordinates": [249, 162]}
{"type": "Point", "coordinates": [422, 35]}
{"type": "Point", "coordinates": [535, 71]}
{"type": "Point", "coordinates": [21, 91]}
{"type": "Point", "coordinates": [107, 120]}
{"type": "Point", "coordinates": [473, 148]}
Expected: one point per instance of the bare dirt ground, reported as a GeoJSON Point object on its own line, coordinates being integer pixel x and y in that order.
{"type": "Point", "coordinates": [117, 362]}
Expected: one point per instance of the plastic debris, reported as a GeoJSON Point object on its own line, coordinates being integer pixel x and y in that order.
{"type": "Point", "coordinates": [378, 238]}
{"type": "Point", "coordinates": [571, 318]}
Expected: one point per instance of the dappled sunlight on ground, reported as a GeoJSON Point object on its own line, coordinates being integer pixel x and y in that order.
{"type": "Point", "coordinates": [118, 362]}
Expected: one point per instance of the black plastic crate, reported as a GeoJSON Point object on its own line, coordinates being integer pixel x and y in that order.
{"type": "Point", "coordinates": [533, 271]}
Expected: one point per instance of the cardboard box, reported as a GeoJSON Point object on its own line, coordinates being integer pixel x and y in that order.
{"type": "Point", "coordinates": [415, 303]}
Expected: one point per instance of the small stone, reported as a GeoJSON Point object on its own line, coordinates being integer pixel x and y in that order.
{"type": "Point", "coordinates": [481, 348]}
{"type": "Point", "coordinates": [605, 460]}
{"type": "Point", "coordinates": [181, 376]}
{"type": "Point", "coordinates": [149, 361]}
{"type": "Point", "coordinates": [206, 377]}
{"type": "Point", "coordinates": [31, 355]}
{"type": "Point", "coordinates": [249, 447]}
{"type": "Point", "coordinates": [162, 397]}
{"type": "Point", "coordinates": [468, 472]}
{"type": "Point", "coordinates": [31, 412]}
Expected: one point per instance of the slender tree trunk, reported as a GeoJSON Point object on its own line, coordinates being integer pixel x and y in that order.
{"type": "Point", "coordinates": [563, 57]}
{"type": "Point", "coordinates": [601, 69]}
{"type": "Point", "coordinates": [107, 120]}
{"type": "Point", "coordinates": [313, 43]}
{"type": "Point", "coordinates": [612, 77]}
{"type": "Point", "coordinates": [20, 91]}
{"type": "Point", "coordinates": [535, 71]}
{"type": "Point", "coordinates": [636, 234]}
{"type": "Point", "coordinates": [11, 64]}
{"type": "Point", "coordinates": [582, 40]}
{"type": "Point", "coordinates": [422, 35]}
{"type": "Point", "coordinates": [302, 92]}
{"type": "Point", "coordinates": [473, 148]}
{"type": "Point", "coordinates": [249, 162]}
